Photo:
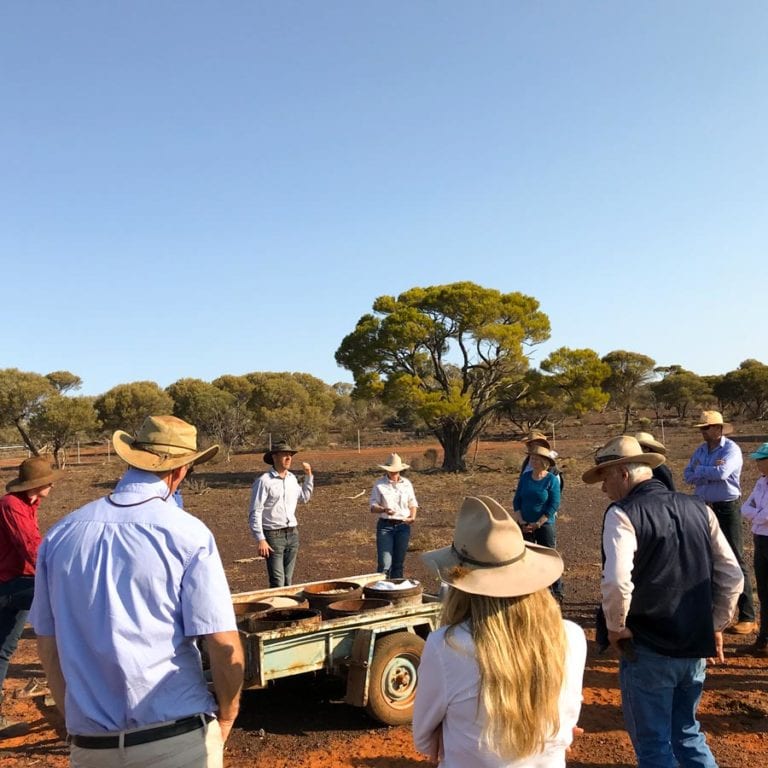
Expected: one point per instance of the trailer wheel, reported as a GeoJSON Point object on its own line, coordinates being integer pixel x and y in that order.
{"type": "Point", "coordinates": [393, 677]}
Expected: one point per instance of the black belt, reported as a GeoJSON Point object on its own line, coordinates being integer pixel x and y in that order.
{"type": "Point", "coordinates": [144, 736]}
{"type": "Point", "coordinates": [391, 523]}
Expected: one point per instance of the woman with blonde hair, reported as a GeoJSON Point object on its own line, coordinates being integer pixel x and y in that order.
{"type": "Point", "coordinates": [500, 681]}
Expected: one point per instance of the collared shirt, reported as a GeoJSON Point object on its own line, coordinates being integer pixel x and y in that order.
{"type": "Point", "coordinates": [715, 482]}
{"type": "Point", "coordinates": [19, 536]}
{"type": "Point", "coordinates": [756, 508]}
{"type": "Point", "coordinates": [126, 584]}
{"type": "Point", "coordinates": [274, 500]}
{"type": "Point", "coordinates": [449, 702]}
{"type": "Point", "coordinates": [620, 545]}
{"type": "Point", "coordinates": [399, 497]}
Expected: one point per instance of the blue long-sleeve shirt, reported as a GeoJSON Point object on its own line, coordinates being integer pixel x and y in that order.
{"type": "Point", "coordinates": [536, 498]}
{"type": "Point", "coordinates": [715, 481]}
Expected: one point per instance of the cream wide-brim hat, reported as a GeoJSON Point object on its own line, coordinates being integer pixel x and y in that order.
{"type": "Point", "coordinates": [620, 450]}
{"type": "Point", "coordinates": [489, 555]}
{"type": "Point", "coordinates": [647, 440]}
{"type": "Point", "coordinates": [544, 453]}
{"type": "Point", "coordinates": [394, 464]}
{"type": "Point", "coordinates": [162, 444]}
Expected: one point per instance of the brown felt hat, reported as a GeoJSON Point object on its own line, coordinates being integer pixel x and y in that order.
{"type": "Point", "coordinates": [162, 444]}
{"type": "Point", "coordinates": [621, 450]}
{"type": "Point", "coordinates": [489, 556]}
{"type": "Point", "coordinates": [36, 472]}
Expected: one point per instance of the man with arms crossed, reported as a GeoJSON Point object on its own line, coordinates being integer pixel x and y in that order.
{"type": "Point", "coordinates": [670, 585]}
{"type": "Point", "coordinates": [715, 471]}
{"type": "Point", "coordinates": [272, 513]}
{"type": "Point", "coordinates": [125, 586]}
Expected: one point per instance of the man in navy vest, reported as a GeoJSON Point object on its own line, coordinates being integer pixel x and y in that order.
{"type": "Point", "coordinates": [669, 588]}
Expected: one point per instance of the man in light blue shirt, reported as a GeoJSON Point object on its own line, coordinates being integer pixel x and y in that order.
{"type": "Point", "coordinates": [715, 470]}
{"type": "Point", "coordinates": [125, 586]}
{"type": "Point", "coordinates": [272, 513]}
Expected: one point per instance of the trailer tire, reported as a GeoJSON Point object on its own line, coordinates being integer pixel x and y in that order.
{"type": "Point", "coordinates": [393, 678]}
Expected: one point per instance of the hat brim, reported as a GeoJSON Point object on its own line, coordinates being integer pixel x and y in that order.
{"type": "Point", "coordinates": [654, 445]}
{"type": "Point", "coordinates": [392, 468]}
{"type": "Point", "coordinates": [267, 457]}
{"type": "Point", "coordinates": [726, 425]}
{"type": "Point", "coordinates": [16, 486]}
{"type": "Point", "coordinates": [593, 474]}
{"type": "Point", "coordinates": [122, 442]}
{"type": "Point", "coordinates": [758, 455]}
{"type": "Point", "coordinates": [539, 568]}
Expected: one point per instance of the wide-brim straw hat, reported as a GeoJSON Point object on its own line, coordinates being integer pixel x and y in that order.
{"type": "Point", "coordinates": [394, 464]}
{"type": "Point", "coordinates": [280, 447]}
{"type": "Point", "coordinates": [620, 450]}
{"type": "Point", "coordinates": [489, 556]}
{"type": "Point", "coordinates": [647, 440]}
{"type": "Point", "coordinates": [535, 436]}
{"type": "Point", "coordinates": [35, 472]}
{"type": "Point", "coordinates": [545, 453]}
{"type": "Point", "coordinates": [714, 419]}
{"type": "Point", "coordinates": [163, 443]}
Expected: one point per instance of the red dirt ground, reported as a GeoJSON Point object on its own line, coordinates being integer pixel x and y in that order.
{"type": "Point", "coordinates": [302, 722]}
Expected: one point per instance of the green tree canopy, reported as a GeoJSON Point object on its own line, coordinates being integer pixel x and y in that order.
{"type": "Point", "coordinates": [60, 420]}
{"type": "Point", "coordinates": [215, 412]}
{"type": "Point", "coordinates": [680, 390]}
{"type": "Point", "coordinates": [579, 375]}
{"type": "Point", "coordinates": [294, 406]}
{"type": "Point", "coordinates": [64, 381]}
{"type": "Point", "coordinates": [21, 395]}
{"type": "Point", "coordinates": [127, 405]}
{"type": "Point", "coordinates": [450, 351]}
{"type": "Point", "coordinates": [630, 371]}
{"type": "Point", "coordinates": [745, 390]}
{"type": "Point", "coordinates": [538, 400]}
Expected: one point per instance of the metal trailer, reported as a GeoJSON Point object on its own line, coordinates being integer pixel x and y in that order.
{"type": "Point", "coordinates": [378, 652]}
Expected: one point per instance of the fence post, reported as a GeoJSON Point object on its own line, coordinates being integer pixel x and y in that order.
{"type": "Point", "coordinates": [358, 441]}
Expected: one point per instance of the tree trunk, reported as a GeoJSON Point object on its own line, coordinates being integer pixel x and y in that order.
{"type": "Point", "coordinates": [455, 440]}
{"type": "Point", "coordinates": [27, 441]}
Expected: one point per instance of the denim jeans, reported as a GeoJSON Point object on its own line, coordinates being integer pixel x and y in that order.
{"type": "Point", "coordinates": [15, 601]}
{"type": "Point", "coordinates": [728, 514]}
{"type": "Point", "coordinates": [280, 563]}
{"type": "Point", "coordinates": [546, 537]}
{"type": "Point", "coordinates": [761, 577]}
{"type": "Point", "coordinates": [660, 695]}
{"type": "Point", "coordinates": [392, 540]}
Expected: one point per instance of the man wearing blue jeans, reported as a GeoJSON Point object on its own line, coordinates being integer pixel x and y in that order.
{"type": "Point", "coordinates": [715, 473]}
{"type": "Point", "coordinates": [670, 586]}
{"type": "Point", "coordinates": [272, 513]}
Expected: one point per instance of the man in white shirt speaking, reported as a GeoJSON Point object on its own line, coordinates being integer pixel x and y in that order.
{"type": "Point", "coordinates": [669, 588]}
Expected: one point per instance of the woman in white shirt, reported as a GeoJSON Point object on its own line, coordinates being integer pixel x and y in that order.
{"type": "Point", "coordinates": [500, 681]}
{"type": "Point", "coordinates": [393, 500]}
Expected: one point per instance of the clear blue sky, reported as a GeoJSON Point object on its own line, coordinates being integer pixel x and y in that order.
{"type": "Point", "coordinates": [200, 188]}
